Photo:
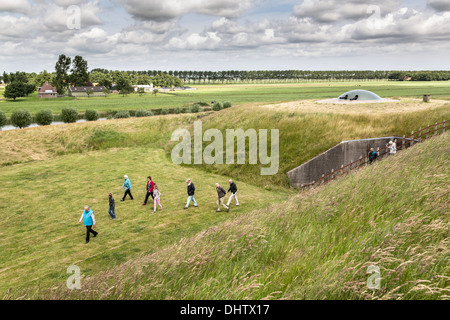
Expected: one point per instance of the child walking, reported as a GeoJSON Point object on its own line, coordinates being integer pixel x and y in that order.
{"type": "Point", "coordinates": [156, 198]}
{"type": "Point", "coordinates": [112, 206]}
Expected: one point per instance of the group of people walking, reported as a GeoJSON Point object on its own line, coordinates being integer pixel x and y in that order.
{"type": "Point", "coordinates": [221, 193]}
{"type": "Point", "coordinates": [152, 190]}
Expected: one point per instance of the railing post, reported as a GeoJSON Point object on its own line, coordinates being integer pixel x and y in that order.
{"type": "Point", "coordinates": [412, 138]}
{"type": "Point", "coordinates": [420, 134]}
{"type": "Point", "coordinates": [443, 127]}
{"type": "Point", "coordinates": [428, 130]}
{"type": "Point", "coordinates": [342, 168]}
{"type": "Point", "coordinates": [435, 129]}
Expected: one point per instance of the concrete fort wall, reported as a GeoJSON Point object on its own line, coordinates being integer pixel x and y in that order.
{"type": "Point", "coordinates": [341, 155]}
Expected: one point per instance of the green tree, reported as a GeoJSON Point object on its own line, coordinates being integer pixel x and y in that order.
{"type": "Point", "coordinates": [5, 77]}
{"type": "Point", "coordinates": [69, 115]}
{"type": "Point", "coordinates": [61, 80]}
{"type": "Point", "coordinates": [42, 78]}
{"type": "Point", "coordinates": [21, 119]}
{"type": "Point", "coordinates": [44, 117]}
{"type": "Point", "coordinates": [3, 119]}
{"type": "Point", "coordinates": [80, 74]}
{"type": "Point", "coordinates": [166, 80]}
{"type": "Point", "coordinates": [29, 88]}
{"type": "Point", "coordinates": [123, 82]}
{"type": "Point", "coordinates": [15, 90]}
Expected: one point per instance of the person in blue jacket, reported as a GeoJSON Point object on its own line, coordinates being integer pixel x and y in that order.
{"type": "Point", "coordinates": [89, 222]}
{"type": "Point", "coordinates": [127, 186]}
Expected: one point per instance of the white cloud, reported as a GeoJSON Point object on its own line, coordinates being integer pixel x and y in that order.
{"type": "Point", "coordinates": [158, 10]}
{"type": "Point", "coordinates": [329, 11]}
{"type": "Point", "coordinates": [17, 6]}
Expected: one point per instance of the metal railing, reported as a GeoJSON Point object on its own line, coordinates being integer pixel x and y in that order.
{"type": "Point", "coordinates": [405, 142]}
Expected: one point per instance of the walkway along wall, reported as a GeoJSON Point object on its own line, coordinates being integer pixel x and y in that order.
{"type": "Point", "coordinates": [350, 155]}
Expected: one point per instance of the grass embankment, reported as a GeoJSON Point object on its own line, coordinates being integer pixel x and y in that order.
{"type": "Point", "coordinates": [304, 134]}
{"type": "Point", "coordinates": [238, 94]}
{"type": "Point", "coordinates": [317, 245]}
{"type": "Point", "coordinates": [42, 202]}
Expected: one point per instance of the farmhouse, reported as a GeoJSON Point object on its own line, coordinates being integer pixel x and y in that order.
{"type": "Point", "coordinates": [147, 88]}
{"type": "Point", "coordinates": [47, 91]}
{"type": "Point", "coordinates": [96, 91]}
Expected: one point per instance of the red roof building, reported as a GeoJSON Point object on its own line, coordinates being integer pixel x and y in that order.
{"type": "Point", "coordinates": [47, 91]}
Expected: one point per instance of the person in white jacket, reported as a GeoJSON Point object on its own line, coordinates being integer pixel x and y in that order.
{"type": "Point", "coordinates": [392, 146]}
{"type": "Point", "coordinates": [156, 198]}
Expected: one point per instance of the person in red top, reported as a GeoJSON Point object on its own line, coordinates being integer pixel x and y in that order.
{"type": "Point", "coordinates": [150, 188]}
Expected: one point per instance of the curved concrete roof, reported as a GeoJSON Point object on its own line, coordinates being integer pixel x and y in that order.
{"type": "Point", "coordinates": [362, 95]}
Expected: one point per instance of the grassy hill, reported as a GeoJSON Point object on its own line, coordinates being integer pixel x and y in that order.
{"type": "Point", "coordinates": [304, 133]}
{"type": "Point", "coordinates": [317, 245]}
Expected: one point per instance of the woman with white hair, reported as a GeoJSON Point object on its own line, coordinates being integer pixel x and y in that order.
{"type": "Point", "coordinates": [89, 222]}
{"type": "Point", "coordinates": [392, 146]}
{"type": "Point", "coordinates": [127, 186]}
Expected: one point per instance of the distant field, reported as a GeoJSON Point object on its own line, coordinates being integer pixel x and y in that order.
{"type": "Point", "coordinates": [237, 94]}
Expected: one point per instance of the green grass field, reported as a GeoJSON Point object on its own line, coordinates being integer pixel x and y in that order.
{"type": "Point", "coordinates": [237, 94]}
{"type": "Point", "coordinates": [40, 236]}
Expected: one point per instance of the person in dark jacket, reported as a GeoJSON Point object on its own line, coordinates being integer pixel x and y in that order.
{"type": "Point", "coordinates": [372, 155]}
{"type": "Point", "coordinates": [220, 197]}
{"type": "Point", "coordinates": [233, 190]}
{"type": "Point", "coordinates": [112, 206]}
{"type": "Point", "coordinates": [191, 193]}
{"type": "Point", "coordinates": [150, 188]}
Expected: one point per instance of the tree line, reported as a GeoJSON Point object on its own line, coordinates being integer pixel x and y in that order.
{"type": "Point", "coordinates": [74, 72]}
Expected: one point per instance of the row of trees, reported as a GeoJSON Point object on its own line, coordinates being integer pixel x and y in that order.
{"type": "Point", "coordinates": [420, 75]}
{"type": "Point", "coordinates": [236, 76]}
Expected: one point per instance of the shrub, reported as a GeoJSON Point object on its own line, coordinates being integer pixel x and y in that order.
{"type": "Point", "coordinates": [21, 118]}
{"type": "Point", "coordinates": [195, 108]}
{"type": "Point", "coordinates": [227, 105]}
{"type": "Point", "coordinates": [44, 117]}
{"type": "Point", "coordinates": [69, 115]}
{"type": "Point", "coordinates": [3, 119]}
{"type": "Point", "coordinates": [91, 115]}
{"type": "Point", "coordinates": [217, 106]}
{"type": "Point", "coordinates": [177, 111]}
{"type": "Point", "coordinates": [122, 115]}
{"type": "Point", "coordinates": [164, 112]}
{"type": "Point", "coordinates": [143, 113]}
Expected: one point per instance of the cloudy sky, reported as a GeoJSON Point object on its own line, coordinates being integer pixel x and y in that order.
{"type": "Point", "coordinates": [226, 34]}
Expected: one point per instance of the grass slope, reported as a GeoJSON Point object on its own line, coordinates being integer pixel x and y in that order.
{"type": "Point", "coordinates": [42, 202]}
{"type": "Point", "coordinates": [317, 245]}
{"type": "Point", "coordinates": [303, 134]}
